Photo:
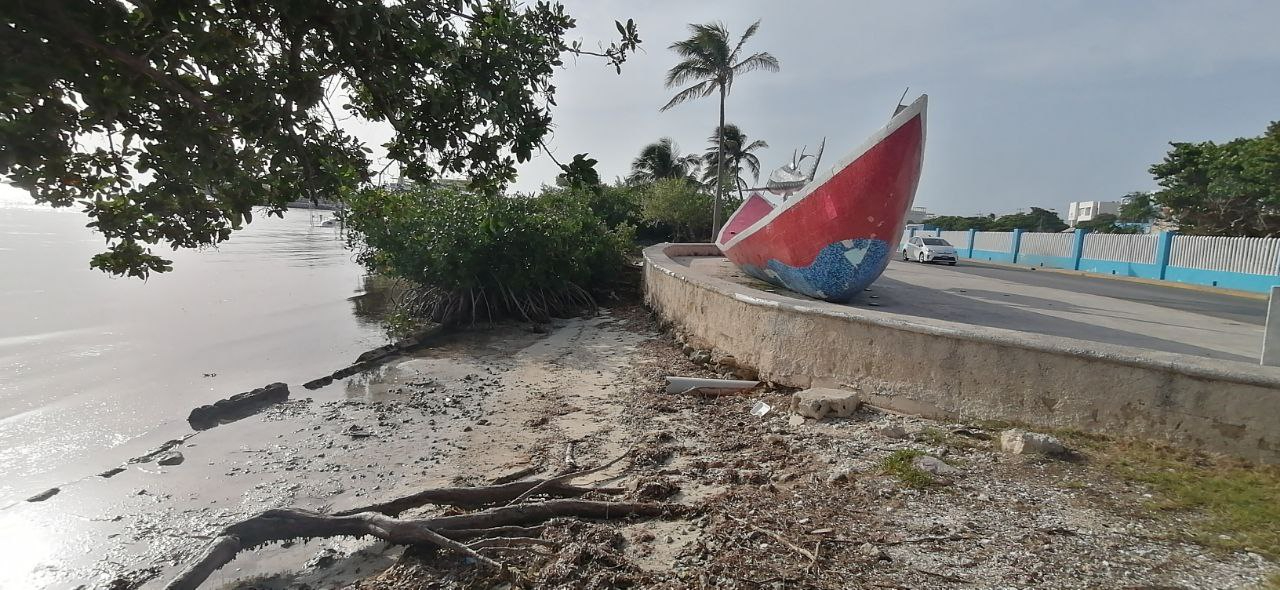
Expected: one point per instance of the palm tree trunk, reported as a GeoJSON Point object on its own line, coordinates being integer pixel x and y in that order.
{"type": "Point", "coordinates": [715, 208]}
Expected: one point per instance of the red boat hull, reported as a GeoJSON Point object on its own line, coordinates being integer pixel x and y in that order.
{"type": "Point", "coordinates": [834, 238]}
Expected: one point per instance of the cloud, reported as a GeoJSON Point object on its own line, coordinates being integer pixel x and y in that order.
{"type": "Point", "coordinates": [1033, 103]}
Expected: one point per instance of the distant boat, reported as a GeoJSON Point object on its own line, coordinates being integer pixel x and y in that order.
{"type": "Point", "coordinates": [833, 237]}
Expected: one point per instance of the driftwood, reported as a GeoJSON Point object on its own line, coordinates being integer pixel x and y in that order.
{"type": "Point", "coordinates": [480, 497]}
{"type": "Point", "coordinates": [285, 524]}
{"type": "Point", "coordinates": [496, 527]}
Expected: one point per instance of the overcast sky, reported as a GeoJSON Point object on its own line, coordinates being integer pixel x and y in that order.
{"type": "Point", "coordinates": [1030, 102]}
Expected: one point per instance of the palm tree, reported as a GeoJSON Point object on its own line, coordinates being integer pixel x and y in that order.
{"type": "Point", "coordinates": [736, 151]}
{"type": "Point", "coordinates": [662, 159]}
{"type": "Point", "coordinates": [708, 59]}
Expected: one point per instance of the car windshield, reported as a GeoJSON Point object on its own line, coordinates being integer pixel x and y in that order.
{"type": "Point", "coordinates": [935, 242]}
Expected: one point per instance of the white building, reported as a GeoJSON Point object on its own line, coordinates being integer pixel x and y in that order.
{"type": "Point", "coordinates": [1088, 210]}
{"type": "Point", "coordinates": [918, 215]}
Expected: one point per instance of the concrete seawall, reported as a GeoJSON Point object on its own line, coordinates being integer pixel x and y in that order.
{"type": "Point", "coordinates": [946, 369]}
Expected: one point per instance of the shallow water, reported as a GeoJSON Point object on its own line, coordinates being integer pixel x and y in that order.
{"type": "Point", "coordinates": [95, 370]}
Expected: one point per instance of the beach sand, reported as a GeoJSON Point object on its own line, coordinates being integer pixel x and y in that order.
{"type": "Point", "coordinates": [483, 404]}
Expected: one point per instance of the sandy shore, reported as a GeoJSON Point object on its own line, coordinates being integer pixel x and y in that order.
{"type": "Point", "coordinates": [486, 404]}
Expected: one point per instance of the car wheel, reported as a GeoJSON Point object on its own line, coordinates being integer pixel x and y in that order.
{"type": "Point", "coordinates": [921, 258]}
{"type": "Point", "coordinates": [904, 255]}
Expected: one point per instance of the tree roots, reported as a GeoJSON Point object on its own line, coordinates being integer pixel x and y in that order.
{"type": "Point", "coordinates": [514, 525]}
{"type": "Point", "coordinates": [459, 306]}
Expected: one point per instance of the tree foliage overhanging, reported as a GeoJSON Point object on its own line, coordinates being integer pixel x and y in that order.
{"type": "Point", "coordinates": [169, 121]}
{"type": "Point", "coordinates": [1230, 189]}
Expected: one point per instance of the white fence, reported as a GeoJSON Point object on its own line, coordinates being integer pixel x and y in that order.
{"type": "Point", "coordinates": [959, 239]}
{"type": "Point", "coordinates": [1257, 256]}
{"type": "Point", "coordinates": [1137, 248]}
{"type": "Point", "coordinates": [1046, 244]}
{"type": "Point", "coordinates": [993, 241]}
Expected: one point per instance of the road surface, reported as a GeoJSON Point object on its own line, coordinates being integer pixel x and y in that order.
{"type": "Point", "coordinates": [1151, 316]}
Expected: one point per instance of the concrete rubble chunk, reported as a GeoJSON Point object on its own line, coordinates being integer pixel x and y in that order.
{"type": "Point", "coordinates": [1021, 442]}
{"type": "Point", "coordinates": [821, 402]}
{"type": "Point", "coordinates": [934, 466]}
{"type": "Point", "coordinates": [170, 458]}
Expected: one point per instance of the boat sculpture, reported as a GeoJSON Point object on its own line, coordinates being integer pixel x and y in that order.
{"type": "Point", "coordinates": [831, 238]}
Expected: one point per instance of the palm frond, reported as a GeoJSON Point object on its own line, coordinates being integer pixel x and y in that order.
{"type": "Point", "coordinates": [747, 34]}
{"type": "Point", "coordinates": [699, 90]}
{"type": "Point", "coordinates": [753, 164]}
{"type": "Point", "coordinates": [760, 61]}
{"type": "Point", "coordinates": [687, 71]}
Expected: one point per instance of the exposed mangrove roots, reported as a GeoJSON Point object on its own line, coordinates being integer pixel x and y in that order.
{"type": "Point", "coordinates": [498, 526]}
{"type": "Point", "coordinates": [469, 305]}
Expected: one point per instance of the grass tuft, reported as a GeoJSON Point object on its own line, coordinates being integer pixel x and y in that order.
{"type": "Point", "coordinates": [901, 464]}
{"type": "Point", "coordinates": [1239, 502]}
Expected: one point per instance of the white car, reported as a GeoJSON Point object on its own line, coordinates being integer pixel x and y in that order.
{"type": "Point", "coordinates": [929, 249]}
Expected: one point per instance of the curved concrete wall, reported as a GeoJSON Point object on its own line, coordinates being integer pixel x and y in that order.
{"type": "Point", "coordinates": [951, 370]}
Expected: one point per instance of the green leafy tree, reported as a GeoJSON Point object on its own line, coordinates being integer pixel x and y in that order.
{"type": "Point", "coordinates": [738, 156]}
{"type": "Point", "coordinates": [709, 58]}
{"type": "Point", "coordinates": [1137, 207]}
{"type": "Point", "coordinates": [662, 159]}
{"type": "Point", "coordinates": [957, 223]}
{"type": "Point", "coordinates": [1037, 220]}
{"type": "Point", "coordinates": [677, 204]}
{"type": "Point", "coordinates": [1229, 189]}
{"type": "Point", "coordinates": [169, 121]}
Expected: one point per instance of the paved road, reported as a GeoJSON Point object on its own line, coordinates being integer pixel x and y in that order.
{"type": "Point", "coordinates": [1212, 303]}
{"type": "Point", "coordinates": [1155, 317]}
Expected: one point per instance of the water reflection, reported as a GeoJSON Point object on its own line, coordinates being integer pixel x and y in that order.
{"type": "Point", "coordinates": [377, 296]}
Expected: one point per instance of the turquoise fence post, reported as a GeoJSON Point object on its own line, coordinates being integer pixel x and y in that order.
{"type": "Point", "coordinates": [1164, 245]}
{"type": "Point", "coordinates": [1077, 248]}
{"type": "Point", "coordinates": [1017, 243]}
{"type": "Point", "coordinates": [973, 234]}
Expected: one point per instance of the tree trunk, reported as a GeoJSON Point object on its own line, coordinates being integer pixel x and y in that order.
{"type": "Point", "coordinates": [715, 207]}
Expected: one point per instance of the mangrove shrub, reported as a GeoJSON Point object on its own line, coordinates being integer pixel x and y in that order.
{"type": "Point", "coordinates": [475, 257]}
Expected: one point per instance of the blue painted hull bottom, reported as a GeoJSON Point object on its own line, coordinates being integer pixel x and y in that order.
{"type": "Point", "coordinates": [840, 271]}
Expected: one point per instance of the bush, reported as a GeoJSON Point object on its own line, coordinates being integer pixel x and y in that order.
{"type": "Point", "coordinates": [676, 203]}
{"type": "Point", "coordinates": [475, 257]}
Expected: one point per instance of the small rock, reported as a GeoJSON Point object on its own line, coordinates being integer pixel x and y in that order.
{"type": "Point", "coordinates": [934, 466]}
{"type": "Point", "coordinates": [701, 357]}
{"type": "Point", "coordinates": [795, 420]}
{"type": "Point", "coordinates": [774, 439]}
{"type": "Point", "coordinates": [45, 495]}
{"type": "Point", "coordinates": [170, 458]}
{"type": "Point", "coordinates": [872, 552]}
{"type": "Point", "coordinates": [1021, 442]}
{"type": "Point", "coordinates": [820, 402]}
{"type": "Point", "coordinates": [839, 476]}
{"type": "Point", "coordinates": [892, 431]}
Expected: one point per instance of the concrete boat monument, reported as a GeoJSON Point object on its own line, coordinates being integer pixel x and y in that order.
{"type": "Point", "coordinates": [834, 236]}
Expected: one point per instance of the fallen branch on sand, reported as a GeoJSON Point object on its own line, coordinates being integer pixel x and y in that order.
{"type": "Point", "coordinates": [497, 526]}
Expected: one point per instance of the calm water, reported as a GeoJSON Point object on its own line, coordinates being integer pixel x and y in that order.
{"type": "Point", "coordinates": [94, 369]}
